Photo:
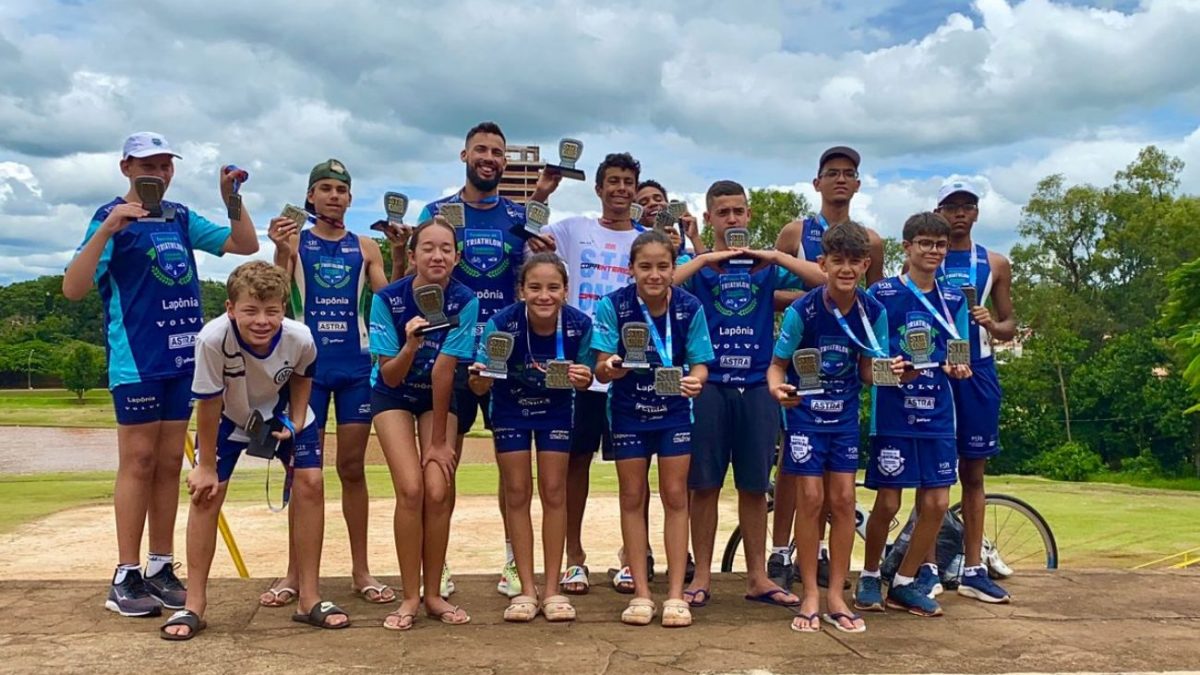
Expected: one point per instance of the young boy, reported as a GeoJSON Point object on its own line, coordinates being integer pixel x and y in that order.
{"type": "Point", "coordinates": [144, 266]}
{"type": "Point", "coordinates": [252, 363]}
{"type": "Point", "coordinates": [912, 426]}
{"type": "Point", "coordinates": [821, 430]}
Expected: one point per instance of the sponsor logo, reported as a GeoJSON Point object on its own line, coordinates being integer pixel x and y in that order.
{"type": "Point", "coordinates": [180, 303]}
{"type": "Point", "coordinates": [331, 326]}
{"type": "Point", "coordinates": [332, 272]}
{"type": "Point", "coordinates": [321, 300]}
{"type": "Point", "coordinates": [181, 341]}
{"type": "Point", "coordinates": [532, 402]}
{"type": "Point", "coordinates": [735, 331]}
{"type": "Point", "coordinates": [801, 448]}
{"type": "Point", "coordinates": [735, 362]}
{"type": "Point", "coordinates": [736, 294]}
{"type": "Point", "coordinates": [489, 294]}
{"type": "Point", "coordinates": [560, 435]}
{"type": "Point", "coordinates": [142, 399]}
{"type": "Point", "coordinates": [891, 462]}
{"type": "Point", "coordinates": [283, 374]}
{"type": "Point", "coordinates": [826, 405]}
{"type": "Point", "coordinates": [920, 402]}
{"type": "Point", "coordinates": [483, 252]}
{"type": "Point", "coordinates": [172, 260]}
{"type": "Point", "coordinates": [681, 437]}
{"type": "Point", "coordinates": [650, 409]}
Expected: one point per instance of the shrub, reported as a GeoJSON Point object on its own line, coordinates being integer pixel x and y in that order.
{"type": "Point", "coordinates": [1073, 461]}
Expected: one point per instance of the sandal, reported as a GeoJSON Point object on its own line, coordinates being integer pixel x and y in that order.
{"type": "Point", "coordinates": [806, 623]}
{"type": "Point", "coordinates": [376, 595]}
{"type": "Point", "coordinates": [277, 597]}
{"type": "Point", "coordinates": [184, 617]}
{"type": "Point", "coordinates": [522, 609]}
{"type": "Point", "coordinates": [575, 580]}
{"type": "Point", "coordinates": [622, 581]}
{"type": "Point", "coordinates": [405, 620]}
{"type": "Point", "coordinates": [558, 608]}
{"type": "Point", "coordinates": [699, 597]}
{"type": "Point", "coordinates": [640, 612]}
{"type": "Point", "coordinates": [676, 614]}
{"type": "Point", "coordinates": [835, 619]}
{"type": "Point", "coordinates": [450, 616]}
{"type": "Point", "coordinates": [319, 615]}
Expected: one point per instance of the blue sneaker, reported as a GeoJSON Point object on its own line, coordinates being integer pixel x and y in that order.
{"type": "Point", "coordinates": [981, 587]}
{"type": "Point", "coordinates": [912, 599]}
{"type": "Point", "coordinates": [868, 597]}
{"type": "Point", "coordinates": [929, 582]}
{"type": "Point", "coordinates": [131, 597]}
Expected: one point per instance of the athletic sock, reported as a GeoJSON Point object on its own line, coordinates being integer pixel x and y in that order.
{"type": "Point", "coordinates": [157, 561]}
{"type": "Point", "coordinates": [901, 580]}
{"type": "Point", "coordinates": [823, 554]}
{"type": "Point", "coordinates": [873, 574]}
{"type": "Point", "coordinates": [122, 570]}
{"type": "Point", "coordinates": [972, 571]}
{"type": "Point", "coordinates": [780, 550]}
{"type": "Point", "coordinates": [508, 552]}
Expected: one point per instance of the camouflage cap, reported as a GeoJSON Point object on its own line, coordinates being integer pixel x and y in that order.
{"type": "Point", "coordinates": [330, 168]}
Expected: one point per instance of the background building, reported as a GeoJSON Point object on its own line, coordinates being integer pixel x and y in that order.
{"type": "Point", "coordinates": [519, 179]}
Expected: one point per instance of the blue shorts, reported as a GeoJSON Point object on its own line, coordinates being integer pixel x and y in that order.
{"type": "Point", "coordinates": [167, 400]}
{"type": "Point", "coordinates": [905, 462]}
{"type": "Point", "coordinates": [351, 394]}
{"type": "Point", "coordinates": [672, 442]}
{"type": "Point", "coordinates": [508, 439]}
{"type": "Point", "coordinates": [467, 407]}
{"type": "Point", "coordinates": [977, 412]}
{"type": "Point", "coordinates": [416, 402]}
{"type": "Point", "coordinates": [734, 426]}
{"type": "Point", "coordinates": [815, 453]}
{"type": "Point", "coordinates": [591, 428]}
{"type": "Point", "coordinates": [302, 452]}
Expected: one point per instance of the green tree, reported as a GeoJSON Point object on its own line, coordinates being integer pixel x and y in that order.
{"type": "Point", "coordinates": [81, 367]}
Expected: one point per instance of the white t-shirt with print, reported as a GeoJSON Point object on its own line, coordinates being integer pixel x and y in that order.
{"type": "Point", "coordinates": [246, 381]}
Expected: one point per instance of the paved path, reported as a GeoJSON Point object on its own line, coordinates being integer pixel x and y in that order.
{"type": "Point", "coordinates": [1063, 621]}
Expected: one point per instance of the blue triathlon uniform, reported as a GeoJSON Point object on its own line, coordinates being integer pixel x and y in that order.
{"type": "Point", "coordinates": [821, 434]}
{"type": "Point", "coordinates": [151, 296]}
{"type": "Point", "coordinates": [642, 421]}
{"type": "Point", "coordinates": [391, 311]}
{"type": "Point", "coordinates": [330, 293]}
{"type": "Point", "coordinates": [977, 398]}
{"type": "Point", "coordinates": [810, 248]}
{"type": "Point", "coordinates": [737, 419]}
{"type": "Point", "coordinates": [912, 426]}
{"type": "Point", "coordinates": [522, 408]}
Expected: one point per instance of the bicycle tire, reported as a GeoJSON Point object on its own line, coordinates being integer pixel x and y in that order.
{"type": "Point", "coordinates": [1023, 508]}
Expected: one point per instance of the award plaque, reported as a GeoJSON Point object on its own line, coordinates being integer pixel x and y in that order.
{"type": "Point", "coordinates": [233, 201]}
{"type": "Point", "coordinates": [537, 216]}
{"type": "Point", "coordinates": [498, 347]}
{"type": "Point", "coordinates": [454, 213]}
{"type": "Point", "coordinates": [958, 352]}
{"type": "Point", "coordinates": [431, 301]}
{"type": "Point", "coordinates": [676, 208]}
{"type": "Point", "coordinates": [920, 346]}
{"type": "Point", "coordinates": [295, 214]}
{"type": "Point", "coordinates": [807, 363]}
{"type": "Point", "coordinates": [663, 220]}
{"type": "Point", "coordinates": [971, 294]}
{"type": "Point", "coordinates": [882, 374]}
{"type": "Point", "coordinates": [739, 237]}
{"type": "Point", "coordinates": [635, 212]}
{"type": "Point", "coordinates": [636, 337]}
{"type": "Point", "coordinates": [569, 150]}
{"type": "Point", "coordinates": [667, 381]}
{"type": "Point", "coordinates": [395, 205]}
{"type": "Point", "coordinates": [262, 443]}
{"type": "Point", "coordinates": [558, 374]}
{"type": "Point", "coordinates": [150, 191]}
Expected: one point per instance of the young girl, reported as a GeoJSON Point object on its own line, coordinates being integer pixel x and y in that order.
{"type": "Point", "coordinates": [651, 410]}
{"type": "Point", "coordinates": [410, 399]}
{"type": "Point", "coordinates": [526, 406]}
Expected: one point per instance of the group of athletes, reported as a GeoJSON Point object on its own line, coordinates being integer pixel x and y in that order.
{"type": "Point", "coordinates": [711, 386]}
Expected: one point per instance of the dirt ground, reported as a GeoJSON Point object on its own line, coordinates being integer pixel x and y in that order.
{"type": "Point", "coordinates": [1065, 621]}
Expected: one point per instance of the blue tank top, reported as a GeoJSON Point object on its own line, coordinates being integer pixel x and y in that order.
{"type": "Point", "coordinates": [330, 293]}
{"type": "Point", "coordinates": [956, 272]}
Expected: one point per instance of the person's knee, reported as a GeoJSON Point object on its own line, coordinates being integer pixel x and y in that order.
{"type": "Point", "coordinates": [351, 470]}
{"type": "Point", "coordinates": [633, 497]}
{"type": "Point", "coordinates": [841, 502]}
{"type": "Point", "coordinates": [552, 492]}
{"type": "Point", "coordinates": [438, 494]}
{"type": "Point", "coordinates": [517, 493]}
{"type": "Point", "coordinates": [139, 463]}
{"type": "Point", "coordinates": [887, 503]}
{"type": "Point", "coordinates": [410, 495]}
{"type": "Point", "coordinates": [810, 502]}
{"type": "Point", "coordinates": [674, 497]}
{"type": "Point", "coordinates": [308, 485]}
{"type": "Point", "coordinates": [935, 502]}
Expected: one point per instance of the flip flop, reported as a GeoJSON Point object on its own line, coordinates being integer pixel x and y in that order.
{"type": "Point", "coordinates": [576, 574]}
{"type": "Point", "coordinates": [622, 580]}
{"type": "Point", "coordinates": [400, 625]}
{"type": "Point", "coordinates": [318, 615]}
{"type": "Point", "coordinates": [696, 600]}
{"type": "Point", "coordinates": [379, 591]}
{"type": "Point", "coordinates": [835, 619]}
{"type": "Point", "coordinates": [769, 598]}
{"type": "Point", "coordinates": [808, 620]}
{"type": "Point", "coordinates": [277, 597]}
{"type": "Point", "coordinates": [448, 617]}
{"type": "Point", "coordinates": [558, 608]}
{"type": "Point", "coordinates": [184, 617]}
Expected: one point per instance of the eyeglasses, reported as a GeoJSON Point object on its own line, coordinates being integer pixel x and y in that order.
{"type": "Point", "coordinates": [958, 208]}
{"type": "Point", "coordinates": [927, 245]}
{"type": "Point", "coordinates": [833, 174]}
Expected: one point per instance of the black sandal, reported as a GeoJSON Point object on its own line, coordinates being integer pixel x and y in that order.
{"type": "Point", "coordinates": [321, 611]}
{"type": "Point", "coordinates": [184, 617]}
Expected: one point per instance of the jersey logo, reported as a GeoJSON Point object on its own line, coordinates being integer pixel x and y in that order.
{"type": "Point", "coordinates": [835, 356]}
{"type": "Point", "coordinates": [736, 294]}
{"type": "Point", "coordinates": [172, 263]}
{"type": "Point", "coordinates": [801, 448]}
{"type": "Point", "coordinates": [484, 253]}
{"type": "Point", "coordinates": [891, 462]}
{"type": "Point", "coordinates": [332, 272]}
{"type": "Point", "coordinates": [283, 374]}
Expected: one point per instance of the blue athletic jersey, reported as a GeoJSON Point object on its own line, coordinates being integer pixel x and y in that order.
{"type": "Point", "coordinates": [390, 312]}
{"type": "Point", "coordinates": [924, 407]}
{"type": "Point", "coordinates": [809, 323]}
{"type": "Point", "coordinates": [741, 319]}
{"type": "Point", "coordinates": [151, 294]}
{"type": "Point", "coordinates": [632, 404]}
{"type": "Point", "coordinates": [490, 255]}
{"type": "Point", "coordinates": [330, 292]}
{"type": "Point", "coordinates": [956, 271]}
{"type": "Point", "coordinates": [522, 401]}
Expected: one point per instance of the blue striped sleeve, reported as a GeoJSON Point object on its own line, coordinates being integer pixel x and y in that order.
{"type": "Point", "coordinates": [604, 327]}
{"type": "Point", "coordinates": [384, 339]}
{"type": "Point", "coordinates": [881, 331]}
{"type": "Point", "coordinates": [791, 331]}
{"type": "Point", "coordinates": [586, 356]}
{"type": "Point", "coordinates": [206, 235]}
{"type": "Point", "coordinates": [699, 344]}
{"type": "Point", "coordinates": [460, 343]}
{"type": "Point", "coordinates": [785, 280]}
{"type": "Point", "coordinates": [425, 215]}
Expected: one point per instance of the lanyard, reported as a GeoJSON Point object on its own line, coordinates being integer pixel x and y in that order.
{"type": "Point", "coordinates": [558, 337]}
{"type": "Point", "coordinates": [821, 222]}
{"type": "Point", "coordinates": [493, 199]}
{"type": "Point", "coordinates": [875, 350]}
{"type": "Point", "coordinates": [973, 270]}
{"type": "Point", "coordinates": [664, 350]}
{"type": "Point", "coordinates": [942, 318]}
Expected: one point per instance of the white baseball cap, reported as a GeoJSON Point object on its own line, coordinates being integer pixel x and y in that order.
{"type": "Point", "coordinates": [954, 186]}
{"type": "Point", "coordinates": [147, 144]}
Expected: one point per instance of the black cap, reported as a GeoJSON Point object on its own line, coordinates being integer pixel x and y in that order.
{"type": "Point", "coordinates": [839, 151]}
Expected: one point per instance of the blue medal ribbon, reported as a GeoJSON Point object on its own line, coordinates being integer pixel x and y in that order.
{"type": "Point", "coordinates": [664, 349]}
{"type": "Point", "coordinates": [972, 271]}
{"type": "Point", "coordinates": [875, 350]}
{"type": "Point", "coordinates": [559, 350]}
{"type": "Point", "coordinates": [942, 318]}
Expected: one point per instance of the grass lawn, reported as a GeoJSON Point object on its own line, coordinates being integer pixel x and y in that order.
{"type": "Point", "coordinates": [1096, 525]}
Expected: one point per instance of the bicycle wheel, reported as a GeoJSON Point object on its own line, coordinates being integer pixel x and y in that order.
{"type": "Point", "coordinates": [734, 559]}
{"type": "Point", "coordinates": [1015, 536]}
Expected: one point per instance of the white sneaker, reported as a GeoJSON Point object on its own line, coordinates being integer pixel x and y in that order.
{"type": "Point", "coordinates": [510, 582]}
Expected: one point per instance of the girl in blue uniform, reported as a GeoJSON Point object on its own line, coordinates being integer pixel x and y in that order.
{"type": "Point", "coordinates": [650, 409]}
{"type": "Point", "coordinates": [412, 406]}
{"type": "Point", "coordinates": [526, 408]}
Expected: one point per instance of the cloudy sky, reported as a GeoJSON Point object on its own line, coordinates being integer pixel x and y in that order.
{"type": "Point", "coordinates": [1004, 93]}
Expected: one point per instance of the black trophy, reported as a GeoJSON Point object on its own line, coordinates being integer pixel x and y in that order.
{"type": "Point", "coordinates": [569, 150]}
{"type": "Point", "coordinates": [921, 348]}
{"type": "Point", "coordinates": [635, 335]}
{"type": "Point", "coordinates": [150, 191]}
{"type": "Point", "coordinates": [498, 347]}
{"type": "Point", "coordinates": [431, 301]}
{"type": "Point", "coordinates": [233, 201]}
{"type": "Point", "coordinates": [807, 363]}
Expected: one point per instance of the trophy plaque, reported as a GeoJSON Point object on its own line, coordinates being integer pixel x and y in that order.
{"type": "Point", "coordinates": [667, 381]}
{"type": "Point", "coordinates": [635, 212]}
{"type": "Point", "coordinates": [971, 294]}
{"type": "Point", "coordinates": [537, 216]}
{"type": "Point", "coordinates": [150, 191]}
{"type": "Point", "coordinates": [807, 363]}
{"type": "Point", "coordinates": [920, 346]}
{"type": "Point", "coordinates": [431, 301]}
{"type": "Point", "coordinates": [958, 352]}
{"type": "Point", "coordinates": [233, 201]}
{"type": "Point", "coordinates": [882, 374]}
{"type": "Point", "coordinates": [569, 150]}
{"type": "Point", "coordinates": [739, 237]}
{"type": "Point", "coordinates": [395, 204]}
{"type": "Point", "coordinates": [498, 347]}
{"type": "Point", "coordinates": [558, 374]}
{"type": "Point", "coordinates": [295, 214]}
{"type": "Point", "coordinates": [454, 213]}
{"type": "Point", "coordinates": [636, 337]}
